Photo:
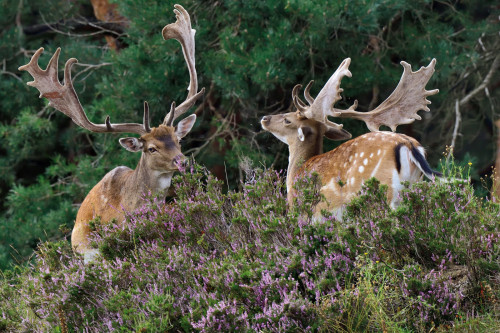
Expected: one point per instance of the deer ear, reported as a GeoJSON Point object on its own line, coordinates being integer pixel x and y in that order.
{"type": "Point", "coordinates": [131, 144]}
{"type": "Point", "coordinates": [303, 131]}
{"type": "Point", "coordinates": [184, 126]}
{"type": "Point", "coordinates": [337, 134]}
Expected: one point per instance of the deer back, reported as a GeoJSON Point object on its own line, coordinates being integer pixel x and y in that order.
{"type": "Point", "coordinates": [386, 156]}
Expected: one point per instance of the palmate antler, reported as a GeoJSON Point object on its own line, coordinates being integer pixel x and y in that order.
{"type": "Point", "coordinates": [400, 107]}
{"type": "Point", "coordinates": [64, 98]}
{"type": "Point", "coordinates": [181, 30]}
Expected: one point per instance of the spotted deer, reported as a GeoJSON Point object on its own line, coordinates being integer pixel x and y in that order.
{"type": "Point", "coordinates": [121, 190]}
{"type": "Point", "coordinates": [390, 157]}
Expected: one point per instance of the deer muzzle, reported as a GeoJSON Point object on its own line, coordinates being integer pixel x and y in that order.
{"type": "Point", "coordinates": [181, 162]}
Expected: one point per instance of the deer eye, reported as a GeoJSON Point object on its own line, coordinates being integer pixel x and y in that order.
{"type": "Point", "coordinates": [152, 150]}
{"type": "Point", "coordinates": [287, 121]}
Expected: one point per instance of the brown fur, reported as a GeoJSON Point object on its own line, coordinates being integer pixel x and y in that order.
{"type": "Point", "coordinates": [350, 164]}
{"type": "Point", "coordinates": [337, 168]}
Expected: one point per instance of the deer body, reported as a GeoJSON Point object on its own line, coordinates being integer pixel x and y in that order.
{"type": "Point", "coordinates": [363, 158]}
{"type": "Point", "coordinates": [122, 189]}
{"type": "Point", "coordinates": [390, 157]}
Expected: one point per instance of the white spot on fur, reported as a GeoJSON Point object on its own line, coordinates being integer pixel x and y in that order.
{"type": "Point", "coordinates": [163, 180]}
{"type": "Point", "coordinates": [378, 152]}
{"type": "Point", "coordinates": [361, 169]}
{"type": "Point", "coordinates": [356, 155]}
{"type": "Point", "coordinates": [374, 172]}
{"type": "Point", "coordinates": [104, 199]}
{"type": "Point", "coordinates": [362, 153]}
{"type": "Point", "coordinates": [365, 161]}
{"type": "Point", "coordinates": [352, 180]}
{"type": "Point", "coordinates": [329, 186]}
{"type": "Point", "coordinates": [371, 155]}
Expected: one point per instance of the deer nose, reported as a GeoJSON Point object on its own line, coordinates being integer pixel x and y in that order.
{"type": "Point", "coordinates": [266, 119]}
{"type": "Point", "coordinates": [181, 162]}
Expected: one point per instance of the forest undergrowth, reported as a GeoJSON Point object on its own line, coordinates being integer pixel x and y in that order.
{"type": "Point", "coordinates": [212, 261]}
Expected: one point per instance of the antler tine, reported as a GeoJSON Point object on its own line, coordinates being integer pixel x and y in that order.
{"type": "Point", "coordinates": [299, 104]}
{"type": "Point", "coordinates": [181, 31]}
{"type": "Point", "coordinates": [170, 119]}
{"type": "Point", "coordinates": [64, 97]}
{"type": "Point", "coordinates": [338, 113]}
{"type": "Point", "coordinates": [145, 118]}
{"type": "Point", "coordinates": [402, 105]}
{"type": "Point", "coordinates": [307, 94]}
{"type": "Point", "coordinates": [322, 105]}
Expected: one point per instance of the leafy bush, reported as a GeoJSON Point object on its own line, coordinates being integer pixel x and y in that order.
{"type": "Point", "coordinates": [241, 261]}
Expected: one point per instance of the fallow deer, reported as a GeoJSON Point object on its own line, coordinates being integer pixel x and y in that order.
{"type": "Point", "coordinates": [390, 157]}
{"type": "Point", "coordinates": [121, 190]}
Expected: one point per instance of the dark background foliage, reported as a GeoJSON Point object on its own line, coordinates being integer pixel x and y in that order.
{"type": "Point", "coordinates": [249, 56]}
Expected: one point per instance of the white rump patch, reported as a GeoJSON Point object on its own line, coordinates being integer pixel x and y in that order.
{"type": "Point", "coordinates": [396, 187]}
{"type": "Point", "coordinates": [403, 175]}
{"type": "Point", "coordinates": [404, 158]}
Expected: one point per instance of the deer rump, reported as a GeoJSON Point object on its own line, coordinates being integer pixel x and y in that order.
{"type": "Point", "coordinates": [400, 159]}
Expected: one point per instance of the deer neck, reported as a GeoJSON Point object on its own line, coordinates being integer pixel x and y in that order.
{"type": "Point", "coordinates": [300, 152]}
{"type": "Point", "coordinates": [144, 180]}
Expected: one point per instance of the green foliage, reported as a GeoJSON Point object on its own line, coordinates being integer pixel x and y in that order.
{"type": "Point", "coordinates": [241, 261]}
{"type": "Point", "coordinates": [249, 56]}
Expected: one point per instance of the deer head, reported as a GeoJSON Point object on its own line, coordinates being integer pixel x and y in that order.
{"type": "Point", "coordinates": [160, 146]}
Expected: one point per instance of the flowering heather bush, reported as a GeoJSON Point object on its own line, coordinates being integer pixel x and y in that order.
{"type": "Point", "coordinates": [242, 261]}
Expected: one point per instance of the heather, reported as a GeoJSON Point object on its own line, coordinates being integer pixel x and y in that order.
{"type": "Point", "coordinates": [212, 260]}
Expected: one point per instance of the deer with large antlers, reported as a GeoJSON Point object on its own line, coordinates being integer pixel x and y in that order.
{"type": "Point", "coordinates": [121, 190]}
{"type": "Point", "coordinates": [390, 157]}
